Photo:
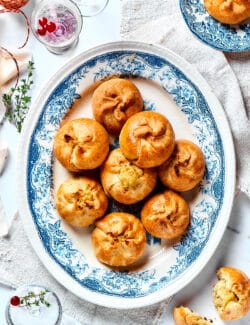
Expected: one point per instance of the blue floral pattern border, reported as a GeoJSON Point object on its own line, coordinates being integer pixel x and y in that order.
{"type": "Point", "coordinates": [40, 173]}
{"type": "Point", "coordinates": [228, 38]}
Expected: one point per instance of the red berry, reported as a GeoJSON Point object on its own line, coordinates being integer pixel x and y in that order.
{"type": "Point", "coordinates": [41, 31]}
{"type": "Point", "coordinates": [51, 27]}
{"type": "Point", "coordinates": [43, 21]}
{"type": "Point", "coordinates": [15, 301]}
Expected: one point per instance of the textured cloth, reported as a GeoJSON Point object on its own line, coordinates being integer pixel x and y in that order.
{"type": "Point", "coordinates": [161, 23]}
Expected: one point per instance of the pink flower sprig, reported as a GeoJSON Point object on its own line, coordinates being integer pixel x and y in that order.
{"type": "Point", "coordinates": [46, 26]}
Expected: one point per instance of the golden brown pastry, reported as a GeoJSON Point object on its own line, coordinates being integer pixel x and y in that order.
{"type": "Point", "coordinates": [80, 201]}
{"type": "Point", "coordinates": [165, 215]}
{"type": "Point", "coordinates": [124, 181]}
{"type": "Point", "coordinates": [119, 239]}
{"type": "Point", "coordinates": [228, 11]}
{"type": "Point", "coordinates": [147, 139]}
{"type": "Point", "coordinates": [185, 168]}
{"type": "Point", "coordinates": [81, 144]}
{"type": "Point", "coordinates": [185, 316]}
{"type": "Point", "coordinates": [114, 101]}
{"type": "Point", "coordinates": [231, 294]}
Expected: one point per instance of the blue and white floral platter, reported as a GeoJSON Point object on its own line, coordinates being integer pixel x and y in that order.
{"type": "Point", "coordinates": [170, 86]}
{"type": "Point", "coordinates": [227, 38]}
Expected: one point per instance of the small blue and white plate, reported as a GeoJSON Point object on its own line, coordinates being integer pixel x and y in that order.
{"type": "Point", "coordinates": [223, 37]}
{"type": "Point", "coordinates": [170, 86]}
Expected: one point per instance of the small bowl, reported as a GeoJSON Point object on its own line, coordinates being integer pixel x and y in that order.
{"type": "Point", "coordinates": [34, 304]}
{"type": "Point", "coordinates": [57, 24]}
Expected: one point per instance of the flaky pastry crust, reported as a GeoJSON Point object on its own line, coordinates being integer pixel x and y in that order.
{"type": "Point", "coordinates": [147, 139]}
{"type": "Point", "coordinates": [124, 181]}
{"type": "Point", "coordinates": [81, 144]}
{"type": "Point", "coordinates": [228, 11]}
{"type": "Point", "coordinates": [165, 215]}
{"type": "Point", "coordinates": [185, 168]}
{"type": "Point", "coordinates": [114, 101]}
{"type": "Point", "coordinates": [80, 201]}
{"type": "Point", "coordinates": [185, 316]}
{"type": "Point", "coordinates": [231, 294]}
{"type": "Point", "coordinates": [119, 239]}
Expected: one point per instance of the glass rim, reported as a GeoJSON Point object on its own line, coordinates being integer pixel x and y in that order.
{"type": "Point", "coordinates": [7, 308]}
{"type": "Point", "coordinates": [50, 3]}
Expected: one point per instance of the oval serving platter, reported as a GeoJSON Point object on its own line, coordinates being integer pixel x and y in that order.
{"type": "Point", "coordinates": [171, 86]}
{"type": "Point", "coordinates": [223, 37]}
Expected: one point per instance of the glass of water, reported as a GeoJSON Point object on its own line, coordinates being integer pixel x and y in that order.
{"type": "Point", "coordinates": [91, 8]}
{"type": "Point", "coordinates": [57, 24]}
{"type": "Point", "coordinates": [35, 305]}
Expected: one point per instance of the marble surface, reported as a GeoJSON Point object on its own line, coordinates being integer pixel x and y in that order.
{"type": "Point", "coordinates": [234, 247]}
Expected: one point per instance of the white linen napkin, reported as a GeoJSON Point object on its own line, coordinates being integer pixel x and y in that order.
{"type": "Point", "coordinates": [160, 22]}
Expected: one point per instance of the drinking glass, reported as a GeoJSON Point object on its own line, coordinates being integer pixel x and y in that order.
{"type": "Point", "coordinates": [91, 8]}
{"type": "Point", "coordinates": [57, 24]}
{"type": "Point", "coordinates": [33, 304]}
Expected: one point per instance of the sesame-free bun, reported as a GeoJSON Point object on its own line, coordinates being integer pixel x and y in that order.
{"type": "Point", "coordinates": [165, 215]}
{"type": "Point", "coordinates": [231, 294]}
{"type": "Point", "coordinates": [147, 139]}
{"type": "Point", "coordinates": [81, 144]}
{"type": "Point", "coordinates": [185, 168]}
{"type": "Point", "coordinates": [185, 316]}
{"type": "Point", "coordinates": [119, 239]}
{"type": "Point", "coordinates": [228, 11]}
{"type": "Point", "coordinates": [114, 101]}
{"type": "Point", "coordinates": [124, 181]}
{"type": "Point", "coordinates": [80, 201]}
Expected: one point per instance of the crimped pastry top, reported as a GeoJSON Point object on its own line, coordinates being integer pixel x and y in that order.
{"type": "Point", "coordinates": [147, 139]}
{"type": "Point", "coordinates": [231, 294]}
{"type": "Point", "coordinates": [81, 144]}
{"type": "Point", "coordinates": [124, 181]}
{"type": "Point", "coordinates": [165, 215]}
{"type": "Point", "coordinates": [185, 168]}
{"type": "Point", "coordinates": [81, 200]}
{"type": "Point", "coordinates": [228, 11]}
{"type": "Point", "coordinates": [119, 239]}
{"type": "Point", "coordinates": [114, 101]}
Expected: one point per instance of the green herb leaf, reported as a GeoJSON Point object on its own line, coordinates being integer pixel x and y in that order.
{"type": "Point", "coordinates": [16, 100]}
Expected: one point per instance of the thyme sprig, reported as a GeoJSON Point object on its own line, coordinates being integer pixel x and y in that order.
{"type": "Point", "coordinates": [34, 299]}
{"type": "Point", "coordinates": [17, 100]}
{"type": "Point", "coordinates": [31, 299]}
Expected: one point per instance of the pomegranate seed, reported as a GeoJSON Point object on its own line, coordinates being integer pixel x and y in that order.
{"type": "Point", "coordinates": [15, 301]}
{"type": "Point", "coordinates": [41, 31]}
{"type": "Point", "coordinates": [51, 27]}
{"type": "Point", "coordinates": [43, 21]}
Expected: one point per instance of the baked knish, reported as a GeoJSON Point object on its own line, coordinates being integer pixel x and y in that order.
{"type": "Point", "coordinates": [231, 294]}
{"type": "Point", "coordinates": [80, 201]}
{"type": "Point", "coordinates": [185, 168]}
{"type": "Point", "coordinates": [119, 239]}
{"type": "Point", "coordinates": [81, 144]}
{"type": "Point", "coordinates": [185, 316]}
{"type": "Point", "coordinates": [165, 215]}
{"type": "Point", "coordinates": [228, 11]}
{"type": "Point", "coordinates": [124, 181]}
{"type": "Point", "coordinates": [114, 101]}
{"type": "Point", "coordinates": [147, 139]}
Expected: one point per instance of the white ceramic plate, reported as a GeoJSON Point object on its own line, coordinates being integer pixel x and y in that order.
{"type": "Point", "coordinates": [170, 86]}
{"type": "Point", "coordinates": [228, 38]}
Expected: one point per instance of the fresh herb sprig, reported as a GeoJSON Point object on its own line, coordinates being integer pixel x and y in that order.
{"type": "Point", "coordinates": [17, 100]}
{"type": "Point", "coordinates": [31, 299]}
